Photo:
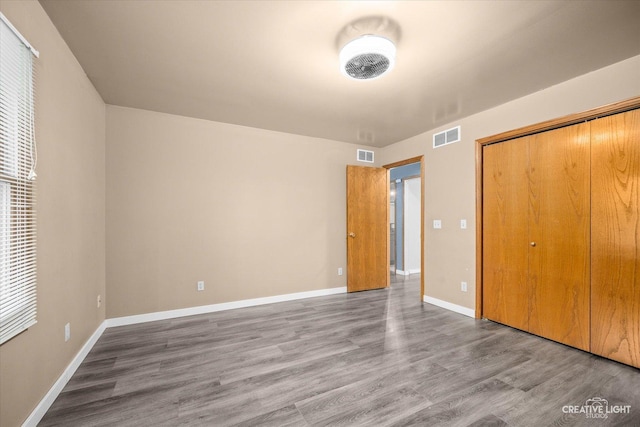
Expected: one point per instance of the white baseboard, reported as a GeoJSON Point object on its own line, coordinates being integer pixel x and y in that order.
{"type": "Point", "coordinates": [41, 409]}
{"type": "Point", "coordinates": [36, 415]}
{"type": "Point", "coordinates": [449, 306]}
{"type": "Point", "coordinates": [407, 272]}
{"type": "Point", "coordinates": [204, 309]}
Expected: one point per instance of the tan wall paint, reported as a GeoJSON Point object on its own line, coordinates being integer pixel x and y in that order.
{"type": "Point", "coordinates": [251, 212]}
{"type": "Point", "coordinates": [450, 170]}
{"type": "Point", "coordinates": [70, 130]}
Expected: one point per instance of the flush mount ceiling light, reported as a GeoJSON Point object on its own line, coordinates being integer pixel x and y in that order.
{"type": "Point", "coordinates": [367, 57]}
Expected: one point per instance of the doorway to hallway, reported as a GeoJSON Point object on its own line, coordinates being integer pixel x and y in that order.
{"type": "Point", "coordinates": [406, 222]}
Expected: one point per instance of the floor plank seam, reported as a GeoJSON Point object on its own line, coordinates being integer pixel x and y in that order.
{"type": "Point", "coordinates": [374, 358]}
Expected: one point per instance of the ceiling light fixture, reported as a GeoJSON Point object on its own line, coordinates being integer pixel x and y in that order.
{"type": "Point", "coordinates": [367, 57]}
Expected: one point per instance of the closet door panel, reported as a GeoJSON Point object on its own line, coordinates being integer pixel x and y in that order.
{"type": "Point", "coordinates": [615, 245]}
{"type": "Point", "coordinates": [559, 235]}
{"type": "Point", "coordinates": [505, 297]}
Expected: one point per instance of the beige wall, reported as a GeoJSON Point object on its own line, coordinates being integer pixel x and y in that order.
{"type": "Point", "coordinates": [70, 121]}
{"type": "Point", "coordinates": [257, 213]}
{"type": "Point", "coordinates": [251, 212]}
{"type": "Point", "coordinates": [450, 170]}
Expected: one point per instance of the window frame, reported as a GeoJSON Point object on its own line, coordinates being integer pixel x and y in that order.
{"type": "Point", "coordinates": [18, 155]}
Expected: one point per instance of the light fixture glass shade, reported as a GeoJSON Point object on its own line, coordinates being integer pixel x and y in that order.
{"type": "Point", "coordinates": [367, 57]}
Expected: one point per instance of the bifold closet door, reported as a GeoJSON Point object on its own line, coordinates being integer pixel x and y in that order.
{"type": "Point", "coordinates": [536, 240]}
{"type": "Point", "coordinates": [559, 235]}
{"type": "Point", "coordinates": [505, 233]}
{"type": "Point", "coordinates": [615, 245]}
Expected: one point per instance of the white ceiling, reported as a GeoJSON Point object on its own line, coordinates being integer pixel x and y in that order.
{"type": "Point", "coordinates": [274, 64]}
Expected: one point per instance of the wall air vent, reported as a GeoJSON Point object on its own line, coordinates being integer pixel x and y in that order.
{"type": "Point", "coordinates": [445, 137]}
{"type": "Point", "coordinates": [365, 156]}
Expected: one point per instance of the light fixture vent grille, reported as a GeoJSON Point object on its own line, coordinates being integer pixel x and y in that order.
{"type": "Point", "coordinates": [445, 137]}
{"type": "Point", "coordinates": [365, 156]}
{"type": "Point", "coordinates": [367, 66]}
{"type": "Point", "coordinates": [367, 57]}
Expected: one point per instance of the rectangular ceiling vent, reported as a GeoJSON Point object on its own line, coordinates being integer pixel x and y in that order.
{"type": "Point", "coordinates": [445, 137]}
{"type": "Point", "coordinates": [365, 156]}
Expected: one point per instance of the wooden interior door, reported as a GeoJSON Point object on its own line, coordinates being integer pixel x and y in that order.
{"type": "Point", "coordinates": [559, 235]}
{"type": "Point", "coordinates": [615, 237]}
{"type": "Point", "coordinates": [367, 232]}
{"type": "Point", "coordinates": [505, 233]}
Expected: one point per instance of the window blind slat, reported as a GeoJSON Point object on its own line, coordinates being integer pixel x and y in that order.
{"type": "Point", "coordinates": [17, 190]}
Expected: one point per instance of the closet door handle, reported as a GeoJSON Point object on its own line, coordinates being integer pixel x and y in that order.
{"type": "Point", "coordinates": [532, 243]}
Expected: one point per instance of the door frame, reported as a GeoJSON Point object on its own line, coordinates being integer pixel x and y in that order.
{"type": "Point", "coordinates": [606, 110]}
{"type": "Point", "coordinates": [417, 159]}
{"type": "Point", "coordinates": [393, 239]}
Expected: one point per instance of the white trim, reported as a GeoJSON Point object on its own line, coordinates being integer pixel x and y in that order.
{"type": "Point", "coordinates": [17, 33]}
{"type": "Point", "coordinates": [407, 273]}
{"type": "Point", "coordinates": [36, 415]}
{"type": "Point", "coordinates": [203, 309]}
{"type": "Point", "coordinates": [449, 306]}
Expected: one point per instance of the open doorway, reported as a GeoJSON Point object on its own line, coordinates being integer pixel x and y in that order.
{"type": "Point", "coordinates": [406, 222]}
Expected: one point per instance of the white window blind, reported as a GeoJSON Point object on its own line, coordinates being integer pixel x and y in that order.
{"type": "Point", "coordinates": [17, 184]}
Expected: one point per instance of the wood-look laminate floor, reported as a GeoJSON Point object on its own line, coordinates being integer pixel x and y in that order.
{"type": "Point", "coordinates": [376, 358]}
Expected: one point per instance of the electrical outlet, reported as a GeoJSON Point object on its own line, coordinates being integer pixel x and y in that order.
{"type": "Point", "coordinates": [437, 223]}
{"type": "Point", "coordinates": [340, 271]}
{"type": "Point", "coordinates": [463, 286]}
{"type": "Point", "coordinates": [99, 301]}
{"type": "Point", "coordinates": [201, 285]}
{"type": "Point", "coordinates": [463, 224]}
{"type": "Point", "coordinates": [67, 332]}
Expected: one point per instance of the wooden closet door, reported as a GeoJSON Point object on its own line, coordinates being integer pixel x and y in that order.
{"type": "Point", "coordinates": [559, 235]}
{"type": "Point", "coordinates": [504, 222]}
{"type": "Point", "coordinates": [615, 237]}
